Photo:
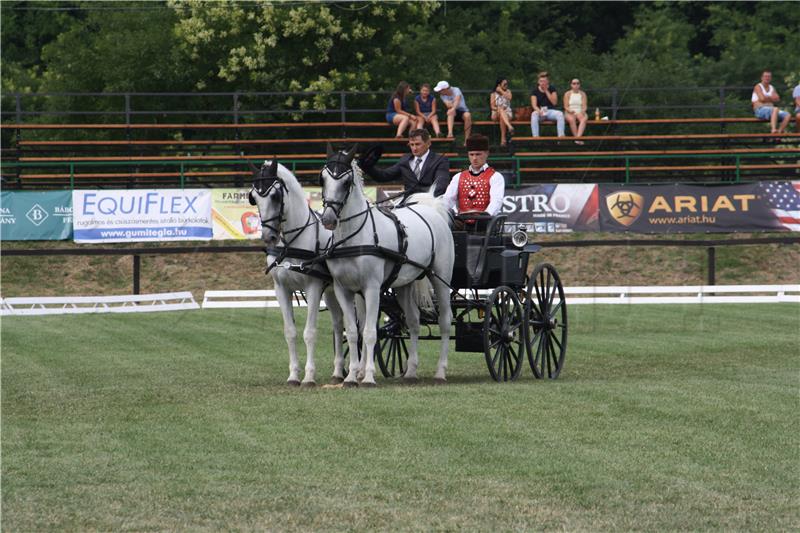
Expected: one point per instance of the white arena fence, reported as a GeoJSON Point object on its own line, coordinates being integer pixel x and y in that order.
{"type": "Point", "coordinates": [62, 305]}
{"type": "Point", "coordinates": [262, 299]}
{"type": "Point", "coordinates": [691, 294]}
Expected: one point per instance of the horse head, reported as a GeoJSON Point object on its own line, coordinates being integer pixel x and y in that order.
{"type": "Point", "coordinates": [336, 180]}
{"type": "Point", "coordinates": [267, 193]}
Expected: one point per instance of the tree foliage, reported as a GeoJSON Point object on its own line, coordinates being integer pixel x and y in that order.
{"type": "Point", "coordinates": [201, 46]}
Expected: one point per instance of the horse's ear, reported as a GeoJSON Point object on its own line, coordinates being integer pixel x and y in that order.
{"type": "Point", "coordinates": [330, 150]}
{"type": "Point", "coordinates": [273, 168]}
{"type": "Point", "coordinates": [351, 154]}
{"type": "Point", "coordinates": [253, 168]}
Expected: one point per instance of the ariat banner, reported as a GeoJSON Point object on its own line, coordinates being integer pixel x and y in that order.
{"type": "Point", "coordinates": [235, 219]}
{"type": "Point", "coordinates": [141, 215]}
{"type": "Point", "coordinates": [764, 206]}
{"type": "Point", "coordinates": [35, 216]}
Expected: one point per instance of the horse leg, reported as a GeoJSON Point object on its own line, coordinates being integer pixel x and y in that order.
{"type": "Point", "coordinates": [445, 320]}
{"type": "Point", "coordinates": [345, 297]}
{"type": "Point", "coordinates": [313, 295]}
{"type": "Point", "coordinates": [337, 318]}
{"type": "Point", "coordinates": [360, 313]}
{"type": "Point", "coordinates": [289, 332]}
{"type": "Point", "coordinates": [370, 334]}
{"type": "Point", "coordinates": [405, 298]}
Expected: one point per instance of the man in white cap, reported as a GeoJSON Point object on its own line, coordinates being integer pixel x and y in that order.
{"type": "Point", "coordinates": [457, 109]}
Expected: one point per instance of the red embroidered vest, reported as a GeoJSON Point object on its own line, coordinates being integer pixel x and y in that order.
{"type": "Point", "coordinates": [473, 191]}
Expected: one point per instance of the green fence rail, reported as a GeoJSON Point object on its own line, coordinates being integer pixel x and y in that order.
{"type": "Point", "coordinates": [515, 162]}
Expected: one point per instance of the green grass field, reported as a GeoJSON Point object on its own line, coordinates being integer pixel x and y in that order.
{"type": "Point", "coordinates": [664, 418]}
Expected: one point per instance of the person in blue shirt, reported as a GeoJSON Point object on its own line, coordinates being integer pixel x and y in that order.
{"type": "Point", "coordinates": [425, 106]}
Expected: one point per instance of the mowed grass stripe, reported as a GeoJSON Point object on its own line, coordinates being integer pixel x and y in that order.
{"type": "Point", "coordinates": [665, 417]}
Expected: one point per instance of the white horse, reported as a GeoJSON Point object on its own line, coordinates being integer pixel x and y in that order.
{"type": "Point", "coordinates": [293, 234]}
{"type": "Point", "coordinates": [370, 252]}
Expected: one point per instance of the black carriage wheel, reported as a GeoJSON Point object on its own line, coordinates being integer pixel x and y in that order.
{"type": "Point", "coordinates": [546, 316]}
{"type": "Point", "coordinates": [504, 334]}
{"type": "Point", "coordinates": [391, 351]}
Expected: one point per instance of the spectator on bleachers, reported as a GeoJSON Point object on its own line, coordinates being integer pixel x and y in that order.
{"type": "Point", "coordinates": [764, 98]}
{"type": "Point", "coordinates": [500, 104]}
{"type": "Point", "coordinates": [397, 113]}
{"type": "Point", "coordinates": [575, 105]}
{"type": "Point", "coordinates": [425, 106]}
{"type": "Point", "coordinates": [457, 108]}
{"type": "Point", "coordinates": [796, 96]}
{"type": "Point", "coordinates": [543, 98]}
{"type": "Point", "coordinates": [418, 171]}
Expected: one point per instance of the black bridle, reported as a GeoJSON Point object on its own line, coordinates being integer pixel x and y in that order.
{"type": "Point", "coordinates": [339, 167]}
{"type": "Point", "coordinates": [263, 184]}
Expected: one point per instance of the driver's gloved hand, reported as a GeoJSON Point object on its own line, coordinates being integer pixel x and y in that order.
{"type": "Point", "coordinates": [370, 157]}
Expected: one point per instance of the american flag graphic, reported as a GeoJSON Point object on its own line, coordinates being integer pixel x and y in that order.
{"type": "Point", "coordinates": [783, 197]}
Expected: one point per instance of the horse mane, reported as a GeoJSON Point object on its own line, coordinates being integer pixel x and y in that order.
{"type": "Point", "coordinates": [358, 176]}
{"type": "Point", "coordinates": [437, 203]}
{"type": "Point", "coordinates": [290, 180]}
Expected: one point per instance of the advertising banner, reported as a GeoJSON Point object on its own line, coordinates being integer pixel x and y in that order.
{"type": "Point", "coordinates": [141, 215]}
{"type": "Point", "coordinates": [764, 206]}
{"type": "Point", "coordinates": [234, 218]}
{"type": "Point", "coordinates": [553, 208]}
{"type": "Point", "coordinates": [35, 216]}
{"type": "Point", "coordinates": [541, 208]}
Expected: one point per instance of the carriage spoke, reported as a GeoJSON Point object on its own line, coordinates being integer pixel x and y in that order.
{"type": "Point", "coordinates": [555, 338]}
{"type": "Point", "coordinates": [555, 309]}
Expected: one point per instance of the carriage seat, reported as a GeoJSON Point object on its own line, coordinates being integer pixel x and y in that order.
{"type": "Point", "coordinates": [479, 237]}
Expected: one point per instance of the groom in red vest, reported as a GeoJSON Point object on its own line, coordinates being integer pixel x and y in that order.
{"type": "Point", "coordinates": [480, 188]}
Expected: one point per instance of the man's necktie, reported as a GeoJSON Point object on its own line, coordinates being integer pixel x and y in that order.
{"type": "Point", "coordinates": [418, 168]}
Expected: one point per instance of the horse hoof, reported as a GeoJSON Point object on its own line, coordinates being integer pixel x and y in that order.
{"type": "Point", "coordinates": [439, 381]}
{"type": "Point", "coordinates": [336, 381]}
{"type": "Point", "coordinates": [350, 384]}
{"type": "Point", "coordinates": [410, 381]}
{"type": "Point", "coordinates": [369, 384]}
{"type": "Point", "coordinates": [308, 384]}
{"type": "Point", "coordinates": [293, 383]}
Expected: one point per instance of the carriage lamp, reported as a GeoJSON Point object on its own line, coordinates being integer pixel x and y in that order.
{"type": "Point", "coordinates": [520, 237]}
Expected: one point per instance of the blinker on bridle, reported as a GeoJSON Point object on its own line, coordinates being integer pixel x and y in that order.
{"type": "Point", "coordinates": [339, 167]}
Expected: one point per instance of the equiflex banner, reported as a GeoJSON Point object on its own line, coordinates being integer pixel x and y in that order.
{"type": "Point", "coordinates": [35, 216]}
{"type": "Point", "coordinates": [763, 206]}
{"type": "Point", "coordinates": [141, 215]}
{"type": "Point", "coordinates": [234, 217]}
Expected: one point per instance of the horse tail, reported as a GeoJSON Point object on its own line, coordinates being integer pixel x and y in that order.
{"type": "Point", "coordinates": [438, 204]}
{"type": "Point", "coordinates": [421, 293]}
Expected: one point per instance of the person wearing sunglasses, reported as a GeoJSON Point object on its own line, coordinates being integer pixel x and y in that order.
{"type": "Point", "coordinates": [575, 105]}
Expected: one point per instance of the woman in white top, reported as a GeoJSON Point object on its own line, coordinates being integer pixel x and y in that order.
{"type": "Point", "coordinates": [575, 104]}
{"type": "Point", "coordinates": [500, 104]}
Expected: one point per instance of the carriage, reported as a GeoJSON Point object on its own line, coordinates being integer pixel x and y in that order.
{"type": "Point", "coordinates": [495, 306]}
{"type": "Point", "coordinates": [498, 308]}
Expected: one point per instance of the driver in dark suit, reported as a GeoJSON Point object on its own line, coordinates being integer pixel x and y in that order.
{"type": "Point", "coordinates": [418, 171]}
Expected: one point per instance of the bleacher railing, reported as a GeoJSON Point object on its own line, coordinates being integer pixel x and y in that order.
{"type": "Point", "coordinates": [346, 106]}
{"type": "Point", "coordinates": [186, 169]}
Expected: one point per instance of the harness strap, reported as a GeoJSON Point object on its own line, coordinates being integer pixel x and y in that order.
{"type": "Point", "coordinates": [306, 267]}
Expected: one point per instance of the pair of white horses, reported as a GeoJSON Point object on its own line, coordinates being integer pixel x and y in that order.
{"type": "Point", "coordinates": [360, 245]}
